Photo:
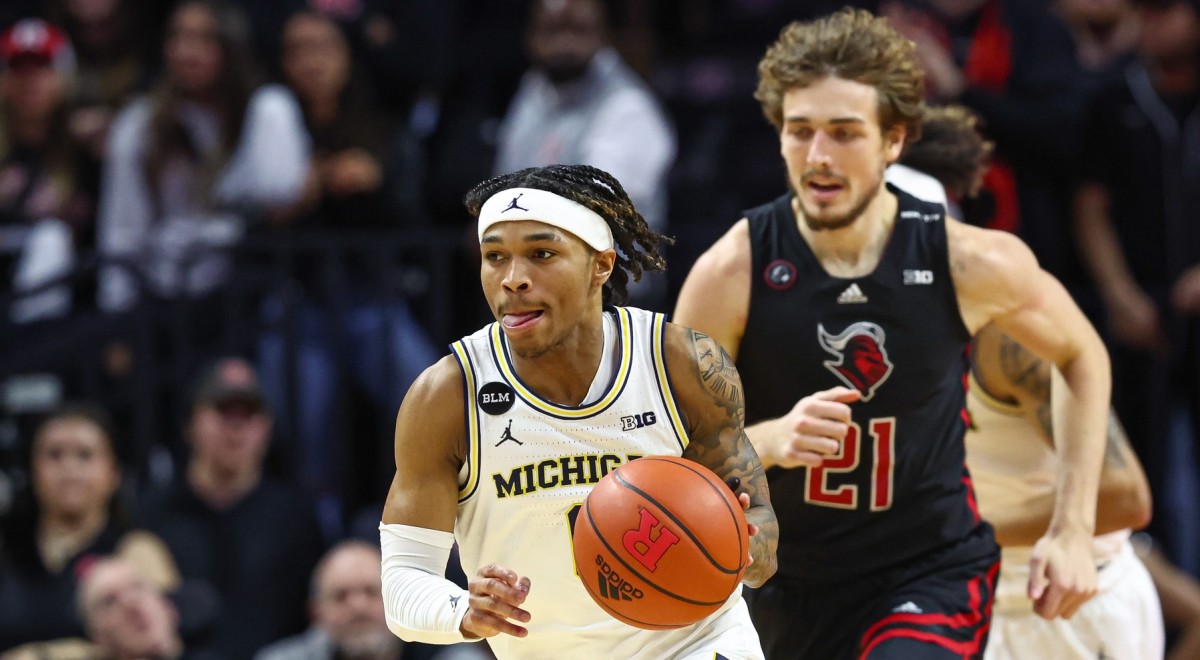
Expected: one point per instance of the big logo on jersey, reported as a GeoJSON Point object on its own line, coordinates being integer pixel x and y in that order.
{"type": "Point", "coordinates": [862, 361]}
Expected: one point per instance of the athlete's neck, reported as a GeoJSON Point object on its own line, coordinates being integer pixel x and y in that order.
{"type": "Point", "coordinates": [854, 250]}
{"type": "Point", "coordinates": [564, 374]}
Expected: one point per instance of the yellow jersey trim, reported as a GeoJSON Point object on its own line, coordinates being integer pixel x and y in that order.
{"type": "Point", "coordinates": [625, 339]}
{"type": "Point", "coordinates": [664, 383]}
{"type": "Point", "coordinates": [467, 488]}
{"type": "Point", "coordinates": [990, 401]}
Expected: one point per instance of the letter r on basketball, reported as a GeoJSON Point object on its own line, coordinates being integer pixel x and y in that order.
{"type": "Point", "coordinates": [645, 549]}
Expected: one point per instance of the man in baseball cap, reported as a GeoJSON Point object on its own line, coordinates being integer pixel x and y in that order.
{"type": "Point", "coordinates": [35, 41]}
{"type": "Point", "coordinates": [230, 382]}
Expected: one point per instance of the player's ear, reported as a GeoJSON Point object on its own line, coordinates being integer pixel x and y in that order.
{"type": "Point", "coordinates": [602, 266]}
{"type": "Point", "coordinates": [893, 141]}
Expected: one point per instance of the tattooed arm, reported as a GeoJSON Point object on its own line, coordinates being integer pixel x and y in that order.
{"type": "Point", "coordinates": [1008, 372]}
{"type": "Point", "coordinates": [709, 393]}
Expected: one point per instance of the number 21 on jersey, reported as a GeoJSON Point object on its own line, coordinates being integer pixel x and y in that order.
{"type": "Point", "coordinates": [845, 496]}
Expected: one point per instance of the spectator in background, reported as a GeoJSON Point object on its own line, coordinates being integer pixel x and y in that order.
{"type": "Point", "coordinates": [580, 104]}
{"type": "Point", "coordinates": [75, 516]}
{"type": "Point", "coordinates": [406, 48]}
{"type": "Point", "coordinates": [1013, 63]}
{"type": "Point", "coordinates": [112, 63]}
{"type": "Point", "coordinates": [346, 605]}
{"type": "Point", "coordinates": [189, 166]}
{"type": "Point", "coordinates": [350, 137]}
{"type": "Point", "coordinates": [353, 321]}
{"type": "Point", "coordinates": [1105, 31]}
{"type": "Point", "coordinates": [254, 540]}
{"type": "Point", "coordinates": [48, 183]}
{"type": "Point", "coordinates": [1136, 212]}
{"type": "Point", "coordinates": [127, 617]}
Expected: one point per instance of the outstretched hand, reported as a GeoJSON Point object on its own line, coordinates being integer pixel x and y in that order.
{"type": "Point", "coordinates": [813, 429]}
{"type": "Point", "coordinates": [496, 596]}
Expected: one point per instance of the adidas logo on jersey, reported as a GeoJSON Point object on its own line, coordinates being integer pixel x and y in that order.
{"type": "Point", "coordinates": [909, 607]}
{"type": "Point", "coordinates": [851, 295]}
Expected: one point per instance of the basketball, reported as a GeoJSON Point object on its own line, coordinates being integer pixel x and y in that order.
{"type": "Point", "coordinates": [661, 542]}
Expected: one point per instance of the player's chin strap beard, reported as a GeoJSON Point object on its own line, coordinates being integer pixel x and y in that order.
{"type": "Point", "coordinates": [514, 204]}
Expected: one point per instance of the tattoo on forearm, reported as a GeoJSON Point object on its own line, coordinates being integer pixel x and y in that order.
{"type": "Point", "coordinates": [1024, 369]}
{"type": "Point", "coordinates": [722, 445]}
{"type": "Point", "coordinates": [718, 372]}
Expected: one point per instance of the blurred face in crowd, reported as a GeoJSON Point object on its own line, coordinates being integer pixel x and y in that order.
{"type": "Point", "coordinates": [956, 8]}
{"type": "Point", "coordinates": [126, 616]}
{"type": "Point", "coordinates": [1095, 12]}
{"type": "Point", "coordinates": [316, 57]}
{"type": "Point", "coordinates": [32, 88]}
{"type": "Point", "coordinates": [564, 35]}
{"type": "Point", "coordinates": [348, 604]}
{"type": "Point", "coordinates": [90, 11]}
{"type": "Point", "coordinates": [74, 470]}
{"type": "Point", "coordinates": [1170, 30]}
{"type": "Point", "coordinates": [230, 436]}
{"type": "Point", "coordinates": [193, 50]}
{"type": "Point", "coordinates": [96, 22]}
{"type": "Point", "coordinates": [835, 150]}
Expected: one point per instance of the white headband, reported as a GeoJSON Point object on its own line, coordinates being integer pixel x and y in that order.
{"type": "Point", "coordinates": [544, 206]}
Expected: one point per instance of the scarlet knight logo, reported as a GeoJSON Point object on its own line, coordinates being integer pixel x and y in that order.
{"type": "Point", "coordinates": [862, 361]}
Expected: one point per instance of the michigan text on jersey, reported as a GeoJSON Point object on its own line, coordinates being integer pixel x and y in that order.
{"type": "Point", "coordinates": [557, 473]}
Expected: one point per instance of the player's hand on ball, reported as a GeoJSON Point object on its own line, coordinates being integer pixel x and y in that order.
{"type": "Point", "coordinates": [813, 429]}
{"type": "Point", "coordinates": [496, 596]}
{"type": "Point", "coordinates": [1062, 574]}
{"type": "Point", "coordinates": [751, 528]}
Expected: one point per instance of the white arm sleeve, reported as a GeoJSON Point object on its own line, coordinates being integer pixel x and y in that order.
{"type": "Point", "coordinates": [420, 604]}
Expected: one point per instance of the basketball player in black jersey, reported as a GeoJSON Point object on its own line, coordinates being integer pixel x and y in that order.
{"type": "Point", "coordinates": [868, 297]}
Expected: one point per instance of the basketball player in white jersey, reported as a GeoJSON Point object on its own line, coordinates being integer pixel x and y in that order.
{"type": "Point", "coordinates": [1011, 456]}
{"type": "Point", "coordinates": [498, 444]}
{"type": "Point", "coordinates": [1010, 452]}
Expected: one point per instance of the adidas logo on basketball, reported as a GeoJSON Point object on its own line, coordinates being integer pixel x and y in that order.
{"type": "Point", "coordinates": [851, 295]}
{"type": "Point", "coordinates": [612, 585]}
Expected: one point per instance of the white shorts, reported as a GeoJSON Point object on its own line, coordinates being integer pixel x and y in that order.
{"type": "Point", "coordinates": [735, 639]}
{"type": "Point", "coordinates": [1124, 620]}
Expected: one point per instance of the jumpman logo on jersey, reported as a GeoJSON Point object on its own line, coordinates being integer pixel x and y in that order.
{"type": "Point", "coordinates": [514, 205]}
{"type": "Point", "coordinates": [454, 601]}
{"type": "Point", "coordinates": [507, 435]}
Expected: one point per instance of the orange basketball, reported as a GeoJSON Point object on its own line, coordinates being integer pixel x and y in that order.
{"type": "Point", "coordinates": [661, 542]}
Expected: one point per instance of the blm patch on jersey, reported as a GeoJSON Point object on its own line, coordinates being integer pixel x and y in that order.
{"type": "Point", "coordinates": [496, 398]}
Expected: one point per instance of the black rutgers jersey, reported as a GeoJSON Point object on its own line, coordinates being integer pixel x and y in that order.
{"type": "Point", "coordinates": [899, 487]}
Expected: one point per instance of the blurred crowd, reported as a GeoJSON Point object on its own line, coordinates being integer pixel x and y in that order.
{"type": "Point", "coordinates": [231, 235]}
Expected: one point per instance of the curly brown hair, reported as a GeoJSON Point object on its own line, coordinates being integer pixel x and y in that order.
{"type": "Point", "coordinates": [951, 150]}
{"type": "Point", "coordinates": [601, 192]}
{"type": "Point", "coordinates": [851, 44]}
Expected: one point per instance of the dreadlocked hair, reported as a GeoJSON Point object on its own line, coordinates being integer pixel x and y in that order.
{"type": "Point", "coordinates": [639, 248]}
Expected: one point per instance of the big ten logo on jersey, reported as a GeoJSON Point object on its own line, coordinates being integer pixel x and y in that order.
{"type": "Point", "coordinates": [918, 276]}
{"type": "Point", "coordinates": [640, 420]}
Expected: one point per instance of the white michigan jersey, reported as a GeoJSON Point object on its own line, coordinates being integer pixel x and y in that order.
{"type": "Point", "coordinates": [530, 464]}
{"type": "Point", "coordinates": [1010, 463]}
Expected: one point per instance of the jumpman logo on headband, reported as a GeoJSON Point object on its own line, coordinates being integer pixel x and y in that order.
{"type": "Point", "coordinates": [514, 205]}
